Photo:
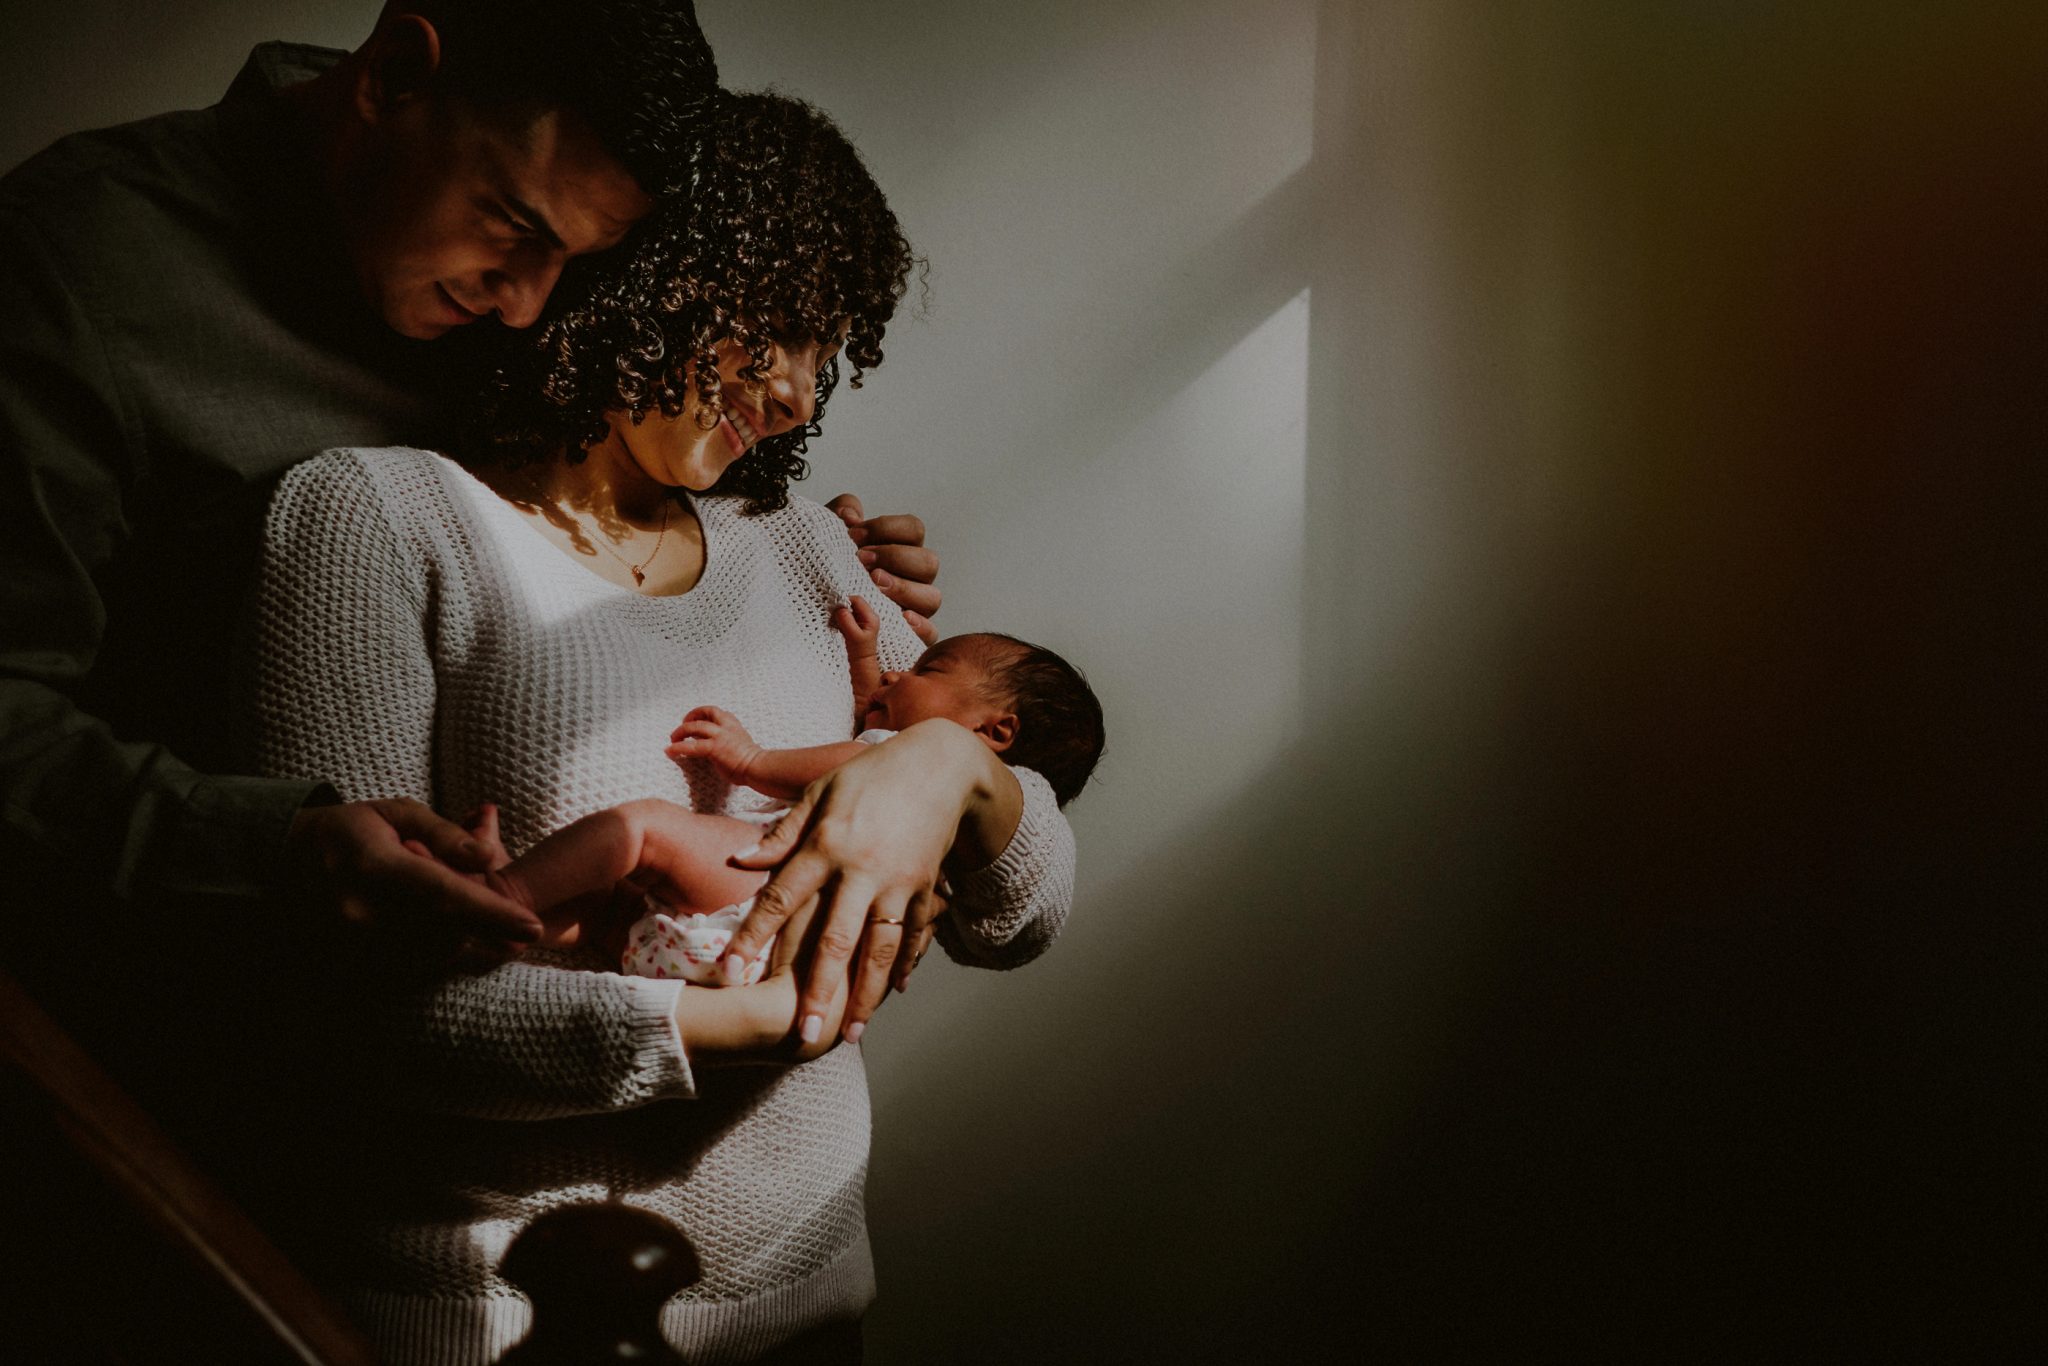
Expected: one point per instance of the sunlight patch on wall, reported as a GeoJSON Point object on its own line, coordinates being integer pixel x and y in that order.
{"type": "Point", "coordinates": [1199, 515]}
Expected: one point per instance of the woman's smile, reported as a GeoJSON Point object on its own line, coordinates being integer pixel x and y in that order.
{"type": "Point", "coordinates": [739, 431]}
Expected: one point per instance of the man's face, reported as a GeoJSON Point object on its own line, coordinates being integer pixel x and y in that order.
{"type": "Point", "coordinates": [456, 216]}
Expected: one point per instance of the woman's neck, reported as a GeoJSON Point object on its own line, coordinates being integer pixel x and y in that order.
{"type": "Point", "coordinates": [607, 485]}
{"type": "Point", "coordinates": [606, 512]}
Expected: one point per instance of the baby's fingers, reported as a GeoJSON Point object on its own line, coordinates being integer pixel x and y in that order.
{"type": "Point", "coordinates": [715, 716]}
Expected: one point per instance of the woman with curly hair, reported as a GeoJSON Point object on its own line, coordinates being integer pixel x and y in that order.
{"type": "Point", "coordinates": [525, 626]}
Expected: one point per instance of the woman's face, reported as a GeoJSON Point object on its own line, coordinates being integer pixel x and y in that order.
{"type": "Point", "coordinates": [678, 453]}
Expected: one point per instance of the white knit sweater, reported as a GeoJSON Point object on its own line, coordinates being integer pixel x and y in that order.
{"type": "Point", "coordinates": [415, 636]}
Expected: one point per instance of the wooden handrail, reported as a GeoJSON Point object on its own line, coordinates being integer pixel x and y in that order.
{"type": "Point", "coordinates": [128, 1148]}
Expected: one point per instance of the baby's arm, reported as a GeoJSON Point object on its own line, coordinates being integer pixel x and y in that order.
{"type": "Point", "coordinates": [862, 628]}
{"type": "Point", "coordinates": [715, 734]}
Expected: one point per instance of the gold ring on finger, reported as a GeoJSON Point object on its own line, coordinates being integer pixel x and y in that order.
{"type": "Point", "coordinates": [885, 920]}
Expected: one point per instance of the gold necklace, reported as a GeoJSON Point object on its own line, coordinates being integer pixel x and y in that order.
{"type": "Point", "coordinates": [639, 571]}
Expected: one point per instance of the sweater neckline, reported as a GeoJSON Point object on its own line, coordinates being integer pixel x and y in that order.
{"type": "Point", "coordinates": [716, 557]}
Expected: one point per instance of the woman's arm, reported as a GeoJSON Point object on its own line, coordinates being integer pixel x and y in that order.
{"type": "Point", "coordinates": [868, 842]}
{"type": "Point", "coordinates": [345, 690]}
{"type": "Point", "coordinates": [1012, 890]}
{"type": "Point", "coordinates": [869, 838]}
{"type": "Point", "coordinates": [1008, 911]}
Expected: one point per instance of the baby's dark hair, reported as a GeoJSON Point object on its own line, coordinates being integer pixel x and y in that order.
{"type": "Point", "coordinates": [1059, 720]}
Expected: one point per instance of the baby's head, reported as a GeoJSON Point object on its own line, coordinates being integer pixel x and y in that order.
{"type": "Point", "coordinates": [1025, 702]}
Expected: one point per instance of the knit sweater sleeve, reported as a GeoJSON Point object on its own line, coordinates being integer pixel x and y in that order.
{"type": "Point", "coordinates": [1008, 913]}
{"type": "Point", "coordinates": [344, 690]}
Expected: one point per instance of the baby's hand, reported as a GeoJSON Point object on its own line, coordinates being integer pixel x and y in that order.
{"type": "Point", "coordinates": [715, 734]}
{"type": "Point", "coordinates": [859, 624]}
{"type": "Point", "coordinates": [482, 825]}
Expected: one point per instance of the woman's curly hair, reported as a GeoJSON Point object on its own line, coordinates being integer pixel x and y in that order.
{"type": "Point", "coordinates": [781, 236]}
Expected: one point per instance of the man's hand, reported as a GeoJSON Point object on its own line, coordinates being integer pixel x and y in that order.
{"type": "Point", "coordinates": [894, 552]}
{"type": "Point", "coordinates": [715, 734]}
{"type": "Point", "coordinates": [398, 867]}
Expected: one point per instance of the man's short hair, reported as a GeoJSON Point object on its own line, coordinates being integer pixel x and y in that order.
{"type": "Point", "coordinates": [639, 71]}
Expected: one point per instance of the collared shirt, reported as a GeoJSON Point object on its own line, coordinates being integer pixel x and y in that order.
{"type": "Point", "coordinates": [178, 325]}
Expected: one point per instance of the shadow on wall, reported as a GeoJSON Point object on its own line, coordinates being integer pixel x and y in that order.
{"type": "Point", "coordinates": [1662, 993]}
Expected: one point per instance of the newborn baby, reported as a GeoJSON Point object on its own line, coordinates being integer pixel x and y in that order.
{"type": "Point", "coordinates": [1023, 701]}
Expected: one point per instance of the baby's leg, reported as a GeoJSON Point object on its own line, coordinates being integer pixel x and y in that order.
{"type": "Point", "coordinates": [589, 857]}
{"type": "Point", "coordinates": [693, 914]}
{"type": "Point", "coordinates": [701, 881]}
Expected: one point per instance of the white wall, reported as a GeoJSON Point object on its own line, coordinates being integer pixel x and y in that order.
{"type": "Point", "coordinates": [1540, 494]}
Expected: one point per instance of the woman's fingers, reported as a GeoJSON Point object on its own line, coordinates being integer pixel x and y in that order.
{"type": "Point", "coordinates": [881, 948]}
{"type": "Point", "coordinates": [925, 908]}
{"type": "Point", "coordinates": [845, 910]}
{"type": "Point", "coordinates": [793, 885]}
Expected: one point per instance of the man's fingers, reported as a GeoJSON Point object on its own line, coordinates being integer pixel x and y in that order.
{"type": "Point", "coordinates": [921, 627]}
{"type": "Point", "coordinates": [922, 598]}
{"type": "Point", "coordinates": [913, 562]}
{"type": "Point", "coordinates": [897, 528]}
{"type": "Point", "coordinates": [444, 839]}
{"type": "Point", "coordinates": [847, 506]}
{"type": "Point", "coordinates": [449, 895]}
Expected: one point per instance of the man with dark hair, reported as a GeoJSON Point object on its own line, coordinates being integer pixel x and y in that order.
{"type": "Point", "coordinates": [192, 303]}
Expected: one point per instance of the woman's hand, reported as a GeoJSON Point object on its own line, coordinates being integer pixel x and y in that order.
{"type": "Point", "coordinates": [737, 1026]}
{"type": "Point", "coordinates": [860, 854]}
{"type": "Point", "coordinates": [894, 552]}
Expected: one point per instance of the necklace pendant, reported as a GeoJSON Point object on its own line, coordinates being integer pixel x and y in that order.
{"type": "Point", "coordinates": [638, 577]}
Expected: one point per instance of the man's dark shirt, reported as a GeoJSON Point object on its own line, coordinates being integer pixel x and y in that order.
{"type": "Point", "coordinates": [177, 326]}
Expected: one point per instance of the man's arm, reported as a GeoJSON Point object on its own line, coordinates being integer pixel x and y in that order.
{"type": "Point", "coordinates": [124, 819]}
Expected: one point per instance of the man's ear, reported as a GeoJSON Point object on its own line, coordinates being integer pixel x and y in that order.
{"type": "Point", "coordinates": [999, 732]}
{"type": "Point", "coordinates": [399, 62]}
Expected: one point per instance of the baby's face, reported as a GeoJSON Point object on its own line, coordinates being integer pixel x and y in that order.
{"type": "Point", "coordinates": [951, 680]}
